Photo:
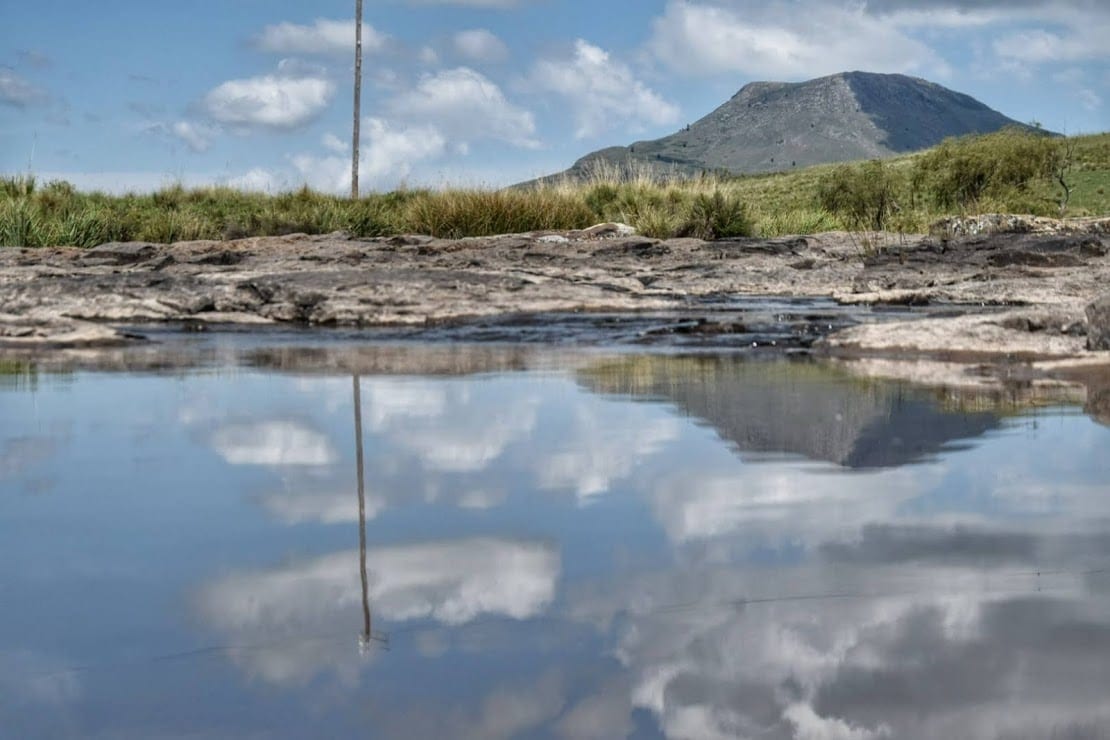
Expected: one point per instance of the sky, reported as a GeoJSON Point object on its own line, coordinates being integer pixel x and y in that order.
{"type": "Point", "coordinates": [128, 95]}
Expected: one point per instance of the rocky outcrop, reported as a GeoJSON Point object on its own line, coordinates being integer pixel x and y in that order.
{"type": "Point", "coordinates": [1002, 295]}
{"type": "Point", "coordinates": [1098, 324]}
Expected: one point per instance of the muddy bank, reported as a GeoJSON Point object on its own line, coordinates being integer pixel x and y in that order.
{"type": "Point", "coordinates": [1021, 296]}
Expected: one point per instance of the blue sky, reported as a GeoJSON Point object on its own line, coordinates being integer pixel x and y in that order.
{"type": "Point", "coordinates": [122, 94]}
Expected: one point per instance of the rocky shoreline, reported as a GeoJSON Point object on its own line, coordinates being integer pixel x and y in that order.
{"type": "Point", "coordinates": [1023, 286]}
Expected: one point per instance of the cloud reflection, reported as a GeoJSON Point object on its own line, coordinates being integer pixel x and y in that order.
{"type": "Point", "coordinates": [272, 443]}
{"type": "Point", "coordinates": [450, 582]}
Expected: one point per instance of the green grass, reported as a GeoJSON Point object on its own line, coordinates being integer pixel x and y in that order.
{"type": "Point", "coordinates": [34, 214]}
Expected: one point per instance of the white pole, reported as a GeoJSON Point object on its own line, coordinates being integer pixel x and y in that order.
{"type": "Point", "coordinates": [358, 99]}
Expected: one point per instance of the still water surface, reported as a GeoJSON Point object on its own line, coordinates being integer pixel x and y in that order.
{"type": "Point", "coordinates": [645, 545]}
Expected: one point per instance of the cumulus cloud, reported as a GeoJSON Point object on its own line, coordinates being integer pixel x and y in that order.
{"type": "Point", "coordinates": [334, 144]}
{"type": "Point", "coordinates": [387, 154]}
{"type": "Point", "coordinates": [18, 92]}
{"type": "Point", "coordinates": [601, 91]}
{"type": "Point", "coordinates": [480, 45]}
{"type": "Point", "coordinates": [1067, 45]}
{"type": "Point", "coordinates": [197, 138]}
{"type": "Point", "coordinates": [324, 37]}
{"type": "Point", "coordinates": [258, 179]}
{"type": "Point", "coordinates": [778, 42]}
{"type": "Point", "coordinates": [465, 105]}
{"type": "Point", "coordinates": [269, 101]}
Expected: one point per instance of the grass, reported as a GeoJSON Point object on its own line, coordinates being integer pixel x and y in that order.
{"type": "Point", "coordinates": [33, 214]}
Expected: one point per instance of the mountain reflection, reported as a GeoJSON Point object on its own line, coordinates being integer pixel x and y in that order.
{"type": "Point", "coordinates": [571, 552]}
{"type": "Point", "coordinates": [800, 407]}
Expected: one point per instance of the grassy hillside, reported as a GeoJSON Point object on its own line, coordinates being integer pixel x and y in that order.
{"type": "Point", "coordinates": [1008, 172]}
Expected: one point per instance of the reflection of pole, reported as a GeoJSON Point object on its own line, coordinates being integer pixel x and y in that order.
{"type": "Point", "coordinates": [364, 639]}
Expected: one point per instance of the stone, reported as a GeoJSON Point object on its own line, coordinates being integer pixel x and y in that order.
{"type": "Point", "coordinates": [123, 252]}
{"type": "Point", "coordinates": [1098, 324]}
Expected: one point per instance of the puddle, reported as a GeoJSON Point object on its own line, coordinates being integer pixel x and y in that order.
{"type": "Point", "coordinates": [549, 542]}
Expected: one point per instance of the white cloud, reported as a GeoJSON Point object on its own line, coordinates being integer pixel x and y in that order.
{"type": "Point", "coordinates": [272, 443]}
{"type": "Point", "coordinates": [270, 101]}
{"type": "Point", "coordinates": [1084, 42]}
{"type": "Point", "coordinates": [480, 45]}
{"type": "Point", "coordinates": [18, 92]}
{"type": "Point", "coordinates": [811, 726]}
{"type": "Point", "coordinates": [465, 106]}
{"type": "Point", "coordinates": [498, 4]}
{"type": "Point", "coordinates": [197, 138]}
{"type": "Point", "coordinates": [387, 154]}
{"type": "Point", "coordinates": [1089, 99]}
{"type": "Point", "coordinates": [259, 179]}
{"type": "Point", "coordinates": [602, 92]}
{"type": "Point", "coordinates": [330, 37]}
{"type": "Point", "coordinates": [334, 144]}
{"type": "Point", "coordinates": [428, 56]}
{"type": "Point", "coordinates": [784, 42]}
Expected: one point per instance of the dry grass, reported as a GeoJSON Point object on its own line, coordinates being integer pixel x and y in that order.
{"type": "Point", "coordinates": [654, 199]}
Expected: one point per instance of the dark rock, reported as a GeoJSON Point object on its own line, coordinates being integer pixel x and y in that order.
{"type": "Point", "coordinates": [223, 257]}
{"type": "Point", "coordinates": [1033, 259]}
{"type": "Point", "coordinates": [634, 247]}
{"type": "Point", "coordinates": [1098, 324]}
{"type": "Point", "coordinates": [123, 253]}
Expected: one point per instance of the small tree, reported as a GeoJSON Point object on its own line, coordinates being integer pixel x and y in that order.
{"type": "Point", "coordinates": [1061, 170]}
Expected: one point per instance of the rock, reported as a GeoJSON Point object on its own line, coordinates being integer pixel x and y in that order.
{"type": "Point", "coordinates": [123, 252]}
{"type": "Point", "coordinates": [553, 239]}
{"type": "Point", "coordinates": [1098, 324]}
{"type": "Point", "coordinates": [603, 231]}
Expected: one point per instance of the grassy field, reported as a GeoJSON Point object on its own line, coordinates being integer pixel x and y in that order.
{"type": "Point", "coordinates": [998, 173]}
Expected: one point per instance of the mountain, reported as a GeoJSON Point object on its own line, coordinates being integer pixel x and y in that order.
{"type": "Point", "coordinates": [776, 126]}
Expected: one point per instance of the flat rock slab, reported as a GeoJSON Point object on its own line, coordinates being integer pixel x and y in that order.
{"type": "Point", "coordinates": [334, 280]}
{"type": "Point", "coordinates": [1098, 324]}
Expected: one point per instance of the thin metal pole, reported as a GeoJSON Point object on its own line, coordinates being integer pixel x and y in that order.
{"type": "Point", "coordinates": [361, 512]}
{"type": "Point", "coordinates": [358, 99]}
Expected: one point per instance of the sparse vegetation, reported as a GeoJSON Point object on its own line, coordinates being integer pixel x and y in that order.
{"type": "Point", "coordinates": [1010, 171]}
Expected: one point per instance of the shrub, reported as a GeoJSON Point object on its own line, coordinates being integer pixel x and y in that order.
{"type": "Point", "coordinates": [961, 172]}
{"type": "Point", "coordinates": [717, 215]}
{"type": "Point", "coordinates": [863, 195]}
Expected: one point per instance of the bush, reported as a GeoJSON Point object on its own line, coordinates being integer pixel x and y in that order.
{"type": "Point", "coordinates": [962, 172]}
{"type": "Point", "coordinates": [716, 216]}
{"type": "Point", "coordinates": [863, 195]}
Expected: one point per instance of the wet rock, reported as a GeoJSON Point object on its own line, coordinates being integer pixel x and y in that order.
{"type": "Point", "coordinates": [1098, 324]}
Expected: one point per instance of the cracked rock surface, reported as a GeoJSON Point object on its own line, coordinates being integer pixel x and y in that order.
{"type": "Point", "coordinates": [1045, 281]}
